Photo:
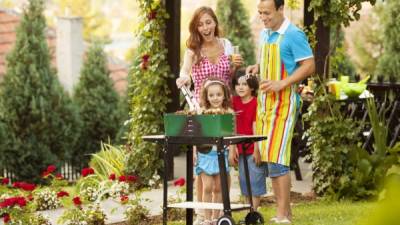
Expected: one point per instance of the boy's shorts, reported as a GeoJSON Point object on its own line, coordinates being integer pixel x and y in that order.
{"type": "Point", "coordinates": [277, 170]}
{"type": "Point", "coordinates": [257, 174]}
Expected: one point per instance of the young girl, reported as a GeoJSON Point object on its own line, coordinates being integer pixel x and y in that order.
{"type": "Point", "coordinates": [245, 107]}
{"type": "Point", "coordinates": [215, 96]}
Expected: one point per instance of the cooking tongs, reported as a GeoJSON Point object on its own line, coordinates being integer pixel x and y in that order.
{"type": "Point", "coordinates": [190, 99]}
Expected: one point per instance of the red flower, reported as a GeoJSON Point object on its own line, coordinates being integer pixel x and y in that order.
{"type": "Point", "coordinates": [24, 186]}
{"type": "Point", "coordinates": [180, 182]}
{"type": "Point", "coordinates": [145, 58]}
{"type": "Point", "coordinates": [21, 202]}
{"type": "Point", "coordinates": [122, 178]}
{"type": "Point", "coordinates": [51, 168]}
{"type": "Point", "coordinates": [10, 202]}
{"type": "Point", "coordinates": [87, 171]}
{"type": "Point", "coordinates": [30, 197]}
{"type": "Point", "coordinates": [132, 178]}
{"type": "Point", "coordinates": [124, 198]}
{"type": "Point", "coordinates": [5, 181]}
{"type": "Point", "coordinates": [77, 201]}
{"type": "Point", "coordinates": [45, 174]}
{"type": "Point", "coordinates": [152, 15]}
{"type": "Point", "coordinates": [59, 176]}
{"type": "Point", "coordinates": [62, 194]}
{"type": "Point", "coordinates": [6, 218]}
{"type": "Point", "coordinates": [112, 176]}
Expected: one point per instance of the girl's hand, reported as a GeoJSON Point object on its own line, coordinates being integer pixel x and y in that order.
{"type": "Point", "coordinates": [233, 156]}
{"type": "Point", "coordinates": [185, 80]}
{"type": "Point", "coordinates": [194, 156]}
{"type": "Point", "coordinates": [194, 159]}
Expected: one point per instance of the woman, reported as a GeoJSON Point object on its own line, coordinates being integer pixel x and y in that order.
{"type": "Point", "coordinates": [207, 55]}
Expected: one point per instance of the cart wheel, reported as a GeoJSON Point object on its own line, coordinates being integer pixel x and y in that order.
{"type": "Point", "coordinates": [254, 218]}
{"type": "Point", "coordinates": [226, 220]}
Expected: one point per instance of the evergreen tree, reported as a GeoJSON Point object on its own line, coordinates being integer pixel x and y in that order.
{"type": "Point", "coordinates": [98, 104]}
{"type": "Point", "coordinates": [389, 63]}
{"type": "Point", "coordinates": [234, 21]}
{"type": "Point", "coordinates": [39, 121]}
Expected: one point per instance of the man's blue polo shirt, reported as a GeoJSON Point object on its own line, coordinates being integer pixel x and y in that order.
{"type": "Point", "coordinates": [294, 46]}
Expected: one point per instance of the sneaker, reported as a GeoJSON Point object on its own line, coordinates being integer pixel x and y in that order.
{"type": "Point", "coordinates": [206, 222]}
{"type": "Point", "coordinates": [282, 221]}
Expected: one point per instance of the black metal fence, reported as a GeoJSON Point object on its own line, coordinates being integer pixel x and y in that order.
{"type": "Point", "coordinates": [387, 98]}
{"type": "Point", "coordinates": [68, 171]}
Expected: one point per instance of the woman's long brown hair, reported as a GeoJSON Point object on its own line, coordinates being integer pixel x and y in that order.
{"type": "Point", "coordinates": [195, 41]}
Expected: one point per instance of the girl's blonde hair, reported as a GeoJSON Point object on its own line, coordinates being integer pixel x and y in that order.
{"type": "Point", "coordinates": [226, 104]}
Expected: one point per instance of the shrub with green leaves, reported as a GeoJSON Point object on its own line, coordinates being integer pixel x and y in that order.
{"type": "Point", "coordinates": [341, 168]}
{"type": "Point", "coordinates": [98, 104]}
{"type": "Point", "coordinates": [40, 126]}
{"type": "Point", "coordinates": [331, 138]}
{"type": "Point", "coordinates": [148, 89]}
{"type": "Point", "coordinates": [136, 213]}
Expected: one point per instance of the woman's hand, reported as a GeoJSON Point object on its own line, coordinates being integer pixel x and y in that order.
{"type": "Point", "coordinates": [237, 60]}
{"type": "Point", "coordinates": [184, 80]}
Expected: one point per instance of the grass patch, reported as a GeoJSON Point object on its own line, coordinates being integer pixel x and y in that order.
{"type": "Point", "coordinates": [316, 212]}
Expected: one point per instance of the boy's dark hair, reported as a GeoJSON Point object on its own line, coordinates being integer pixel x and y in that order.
{"type": "Point", "coordinates": [252, 81]}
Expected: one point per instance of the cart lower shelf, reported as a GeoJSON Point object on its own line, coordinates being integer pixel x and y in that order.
{"type": "Point", "coordinates": [207, 205]}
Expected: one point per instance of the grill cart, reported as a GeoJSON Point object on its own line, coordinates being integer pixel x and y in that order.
{"type": "Point", "coordinates": [203, 130]}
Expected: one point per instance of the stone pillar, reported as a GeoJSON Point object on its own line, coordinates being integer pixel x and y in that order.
{"type": "Point", "coordinates": [69, 50]}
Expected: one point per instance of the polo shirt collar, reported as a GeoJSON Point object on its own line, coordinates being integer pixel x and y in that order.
{"type": "Point", "coordinates": [282, 29]}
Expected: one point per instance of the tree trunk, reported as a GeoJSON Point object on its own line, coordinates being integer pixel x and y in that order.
{"type": "Point", "coordinates": [322, 49]}
{"type": "Point", "coordinates": [322, 34]}
{"type": "Point", "coordinates": [172, 38]}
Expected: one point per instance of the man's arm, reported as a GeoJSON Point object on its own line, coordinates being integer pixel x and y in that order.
{"type": "Point", "coordinates": [306, 68]}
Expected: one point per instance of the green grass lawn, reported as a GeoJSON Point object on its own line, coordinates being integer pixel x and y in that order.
{"type": "Point", "coordinates": [317, 213]}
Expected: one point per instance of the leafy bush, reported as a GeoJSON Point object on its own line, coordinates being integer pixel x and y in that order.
{"type": "Point", "coordinates": [341, 168]}
{"type": "Point", "coordinates": [135, 212]}
{"type": "Point", "coordinates": [331, 138]}
{"type": "Point", "coordinates": [92, 215]}
{"type": "Point", "coordinates": [148, 89]}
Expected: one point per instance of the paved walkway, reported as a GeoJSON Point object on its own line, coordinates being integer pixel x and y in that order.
{"type": "Point", "coordinates": [115, 211]}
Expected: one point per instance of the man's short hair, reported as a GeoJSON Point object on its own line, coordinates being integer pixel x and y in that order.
{"type": "Point", "coordinates": [278, 3]}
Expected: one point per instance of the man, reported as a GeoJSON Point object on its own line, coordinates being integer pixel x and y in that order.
{"type": "Point", "coordinates": [285, 59]}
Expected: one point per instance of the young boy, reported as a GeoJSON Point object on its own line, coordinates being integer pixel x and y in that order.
{"type": "Point", "coordinates": [245, 107]}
